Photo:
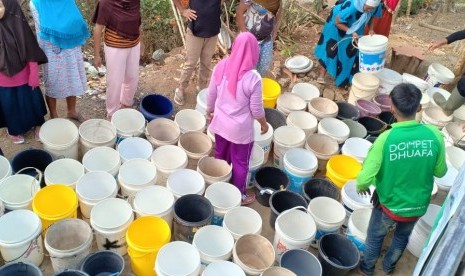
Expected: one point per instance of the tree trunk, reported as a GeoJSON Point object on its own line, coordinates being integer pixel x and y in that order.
{"type": "Point", "coordinates": [409, 6]}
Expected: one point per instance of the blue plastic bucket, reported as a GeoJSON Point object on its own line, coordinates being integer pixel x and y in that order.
{"type": "Point", "coordinates": [300, 165]}
{"type": "Point", "coordinates": [372, 53]}
{"type": "Point", "coordinates": [103, 263]}
{"type": "Point", "coordinates": [156, 106]}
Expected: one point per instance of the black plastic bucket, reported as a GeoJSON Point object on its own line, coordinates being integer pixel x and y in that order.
{"type": "Point", "coordinates": [31, 158]}
{"type": "Point", "coordinates": [103, 263]}
{"type": "Point", "coordinates": [267, 181]}
{"type": "Point", "coordinates": [316, 187]}
{"type": "Point", "coordinates": [373, 125]}
{"type": "Point", "coordinates": [275, 118]}
{"type": "Point", "coordinates": [301, 262]}
{"type": "Point", "coordinates": [387, 117]}
{"type": "Point", "coordinates": [72, 272]}
{"type": "Point", "coordinates": [281, 201]}
{"type": "Point", "coordinates": [347, 111]}
{"type": "Point", "coordinates": [20, 269]}
{"type": "Point", "coordinates": [337, 254]}
{"type": "Point", "coordinates": [156, 106]}
{"type": "Point", "coordinates": [190, 213]}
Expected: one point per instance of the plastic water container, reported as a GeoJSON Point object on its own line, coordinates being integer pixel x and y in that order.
{"type": "Point", "coordinates": [190, 120]}
{"type": "Point", "coordinates": [285, 138]}
{"type": "Point", "coordinates": [201, 105]}
{"type": "Point", "coordinates": [223, 268]}
{"type": "Point", "coordinates": [352, 201]}
{"type": "Point", "coordinates": [303, 120]}
{"type": "Point", "coordinates": [102, 159]}
{"type": "Point", "coordinates": [263, 140]}
{"type": "Point", "coordinates": [135, 175]}
{"type": "Point", "coordinates": [134, 147]}
{"type": "Point", "coordinates": [242, 220]}
{"type": "Point", "coordinates": [154, 201]}
{"type": "Point", "coordinates": [128, 123]}
{"type": "Point", "coordinates": [60, 137]}
{"type": "Point", "coordinates": [439, 74]}
{"type": "Point", "coordinates": [64, 171]}
{"type": "Point", "coordinates": [185, 182]}
{"type": "Point", "coordinates": [96, 133]}
{"type": "Point", "coordinates": [224, 197]}
{"type": "Point", "coordinates": [214, 243]}
{"type": "Point", "coordinates": [358, 227]}
{"type": "Point", "coordinates": [17, 191]}
{"type": "Point", "coordinates": [300, 165]}
{"type": "Point", "coordinates": [257, 159]}
{"type": "Point", "coordinates": [419, 83]}
{"type": "Point", "coordinates": [329, 215]}
{"type": "Point", "coordinates": [306, 91]}
{"type": "Point", "coordinates": [214, 170]}
{"type": "Point", "coordinates": [357, 148]}
{"type": "Point", "coordinates": [169, 158]}
{"type": "Point", "coordinates": [372, 52]}
{"type": "Point", "coordinates": [161, 132]}
{"type": "Point", "coordinates": [178, 258]}
{"type": "Point", "coordinates": [388, 80]}
{"type": "Point", "coordinates": [254, 254]}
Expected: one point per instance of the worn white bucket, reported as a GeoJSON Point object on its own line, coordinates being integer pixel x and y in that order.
{"type": "Point", "coordinates": [155, 201]}
{"type": "Point", "coordinates": [128, 123]}
{"type": "Point", "coordinates": [303, 120]}
{"type": "Point", "coordinates": [357, 148]}
{"type": "Point", "coordinates": [439, 74]}
{"type": "Point", "coordinates": [263, 140]}
{"type": "Point", "coordinates": [425, 103]}
{"type": "Point", "coordinates": [17, 191]}
{"type": "Point", "coordinates": [455, 156]}
{"type": "Point", "coordinates": [110, 230]}
{"type": "Point", "coordinates": [300, 165]}
{"type": "Point", "coordinates": [433, 115]}
{"type": "Point", "coordinates": [372, 52]}
{"type": "Point", "coordinates": [162, 132]}
{"type": "Point", "coordinates": [169, 158]}
{"type": "Point", "coordinates": [254, 254]}
{"type": "Point", "coordinates": [64, 171]}
{"type": "Point", "coordinates": [135, 175]}
{"type": "Point", "coordinates": [196, 144]}
{"type": "Point", "coordinates": [185, 182]}
{"type": "Point", "coordinates": [60, 137]}
{"type": "Point", "coordinates": [295, 229]}
{"type": "Point", "coordinates": [257, 159]}
{"type": "Point", "coordinates": [224, 197]}
{"type": "Point", "coordinates": [422, 229]}
{"type": "Point", "coordinates": [388, 80]}
{"type": "Point", "coordinates": [329, 215]}
{"type": "Point", "coordinates": [201, 105]}
{"type": "Point", "coordinates": [419, 83]}
{"type": "Point", "coordinates": [334, 128]}
{"type": "Point", "coordinates": [94, 187]}
{"type": "Point", "coordinates": [190, 120]}
{"type": "Point", "coordinates": [223, 268]}
{"type": "Point", "coordinates": [433, 90]}
{"type": "Point", "coordinates": [102, 159]}
{"type": "Point", "coordinates": [358, 227]}
{"type": "Point", "coordinates": [445, 183]}
{"type": "Point", "coordinates": [20, 237]}
{"type": "Point", "coordinates": [5, 168]}
{"type": "Point", "coordinates": [289, 102]}
{"type": "Point", "coordinates": [242, 220]}
{"type": "Point", "coordinates": [306, 91]}
{"type": "Point", "coordinates": [214, 170]}
{"type": "Point", "coordinates": [68, 242]}
{"type": "Point", "coordinates": [214, 243]}
{"type": "Point", "coordinates": [178, 258]}
{"type": "Point", "coordinates": [364, 86]}
{"type": "Point", "coordinates": [285, 138]}
{"type": "Point", "coordinates": [134, 147]}
{"type": "Point", "coordinates": [352, 201]}
{"type": "Point", "coordinates": [96, 133]}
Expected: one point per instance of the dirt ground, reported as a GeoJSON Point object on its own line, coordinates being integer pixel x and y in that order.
{"type": "Point", "coordinates": [163, 78]}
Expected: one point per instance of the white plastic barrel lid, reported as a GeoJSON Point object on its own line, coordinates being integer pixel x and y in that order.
{"type": "Point", "coordinates": [19, 226]}
{"type": "Point", "coordinates": [96, 186]}
{"type": "Point", "coordinates": [111, 213]}
{"type": "Point", "coordinates": [223, 268]}
{"type": "Point", "coordinates": [137, 172]}
{"type": "Point", "coordinates": [153, 200]}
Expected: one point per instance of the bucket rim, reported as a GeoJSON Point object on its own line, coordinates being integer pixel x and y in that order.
{"type": "Point", "coordinates": [137, 246]}
{"type": "Point", "coordinates": [198, 197]}
{"type": "Point", "coordinates": [26, 237]}
{"type": "Point", "coordinates": [92, 123]}
{"type": "Point", "coordinates": [84, 197]}
{"type": "Point", "coordinates": [315, 258]}
{"type": "Point", "coordinates": [73, 251]}
{"type": "Point", "coordinates": [93, 255]}
{"type": "Point", "coordinates": [128, 131]}
{"type": "Point", "coordinates": [34, 188]}
{"type": "Point", "coordinates": [65, 191]}
{"type": "Point", "coordinates": [49, 124]}
{"type": "Point", "coordinates": [128, 165]}
{"type": "Point", "coordinates": [251, 211]}
{"type": "Point", "coordinates": [277, 193]}
{"type": "Point", "coordinates": [313, 227]}
{"type": "Point", "coordinates": [223, 186]}
{"type": "Point", "coordinates": [99, 210]}
{"type": "Point", "coordinates": [226, 235]}
{"type": "Point", "coordinates": [145, 193]}
{"type": "Point", "coordinates": [171, 149]}
{"type": "Point", "coordinates": [325, 257]}
{"type": "Point", "coordinates": [115, 157]}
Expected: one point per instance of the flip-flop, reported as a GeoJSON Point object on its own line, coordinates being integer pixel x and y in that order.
{"type": "Point", "coordinates": [78, 117]}
{"type": "Point", "coordinates": [177, 99]}
{"type": "Point", "coordinates": [247, 199]}
{"type": "Point", "coordinates": [16, 139]}
{"type": "Point", "coordinates": [321, 80]}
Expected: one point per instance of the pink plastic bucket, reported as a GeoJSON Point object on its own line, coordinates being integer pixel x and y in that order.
{"type": "Point", "coordinates": [367, 108]}
{"type": "Point", "coordinates": [383, 101]}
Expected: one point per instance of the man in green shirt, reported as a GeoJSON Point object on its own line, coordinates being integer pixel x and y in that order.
{"type": "Point", "coordinates": [401, 165]}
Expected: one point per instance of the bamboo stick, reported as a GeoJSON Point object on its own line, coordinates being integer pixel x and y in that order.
{"type": "Point", "coordinates": [181, 33]}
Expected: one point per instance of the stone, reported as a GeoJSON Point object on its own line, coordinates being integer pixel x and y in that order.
{"type": "Point", "coordinates": [102, 96]}
{"type": "Point", "coordinates": [284, 82]}
{"type": "Point", "coordinates": [92, 71]}
{"type": "Point", "coordinates": [102, 70]}
{"type": "Point", "coordinates": [158, 54]}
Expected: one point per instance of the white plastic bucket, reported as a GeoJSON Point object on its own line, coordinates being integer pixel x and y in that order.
{"type": "Point", "coordinates": [242, 220]}
{"type": "Point", "coordinates": [162, 132]}
{"type": "Point", "coordinates": [155, 201]}
{"type": "Point", "coordinates": [110, 219]}
{"type": "Point", "coordinates": [329, 215]}
{"type": "Point", "coordinates": [96, 133]}
{"type": "Point", "coordinates": [454, 134]}
{"type": "Point", "coordinates": [214, 243]}
{"type": "Point", "coordinates": [306, 91]}
{"type": "Point", "coordinates": [224, 197]}
{"type": "Point", "coordinates": [357, 148]}
{"type": "Point", "coordinates": [289, 102]}
{"type": "Point", "coordinates": [433, 90]}
{"type": "Point", "coordinates": [5, 168]}
{"type": "Point", "coordinates": [352, 201]}
{"type": "Point", "coordinates": [128, 123]}
{"type": "Point", "coordinates": [425, 103]}
{"type": "Point", "coordinates": [254, 254]}
{"type": "Point", "coordinates": [68, 242]}
{"type": "Point", "coordinates": [178, 258]}
{"type": "Point", "coordinates": [60, 137]}
{"type": "Point", "coordinates": [439, 74]}
{"type": "Point", "coordinates": [169, 158]}
{"type": "Point", "coordinates": [190, 120]}
{"type": "Point", "coordinates": [421, 84]}
{"type": "Point", "coordinates": [372, 52]}
{"type": "Point", "coordinates": [263, 140]}
{"type": "Point", "coordinates": [94, 187]}
{"type": "Point", "coordinates": [134, 147]}
{"type": "Point", "coordinates": [214, 170]}
{"type": "Point", "coordinates": [445, 183]}
{"type": "Point", "coordinates": [17, 191]}
{"type": "Point", "coordinates": [257, 159]}
{"type": "Point", "coordinates": [201, 105]}
{"type": "Point", "coordinates": [388, 80]}
{"type": "Point", "coordinates": [303, 120]}
{"type": "Point", "coordinates": [20, 237]}
{"type": "Point", "coordinates": [295, 229]}
{"type": "Point", "coordinates": [285, 138]}
{"type": "Point", "coordinates": [435, 116]}
{"type": "Point", "coordinates": [300, 165]}
{"type": "Point", "coordinates": [64, 171]}
{"type": "Point", "coordinates": [358, 227]}
{"type": "Point", "coordinates": [334, 128]}
{"type": "Point", "coordinates": [422, 229]}
{"type": "Point", "coordinates": [135, 175]}
{"type": "Point", "coordinates": [196, 144]}
{"type": "Point", "coordinates": [223, 268]}
{"type": "Point", "coordinates": [364, 86]}
{"type": "Point", "coordinates": [455, 156]}
{"type": "Point", "coordinates": [184, 182]}
{"type": "Point", "coordinates": [102, 159]}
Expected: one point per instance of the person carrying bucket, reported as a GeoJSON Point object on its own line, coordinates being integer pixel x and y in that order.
{"type": "Point", "coordinates": [234, 100]}
{"type": "Point", "coordinates": [335, 50]}
{"type": "Point", "coordinates": [400, 198]}
{"type": "Point", "coordinates": [457, 97]}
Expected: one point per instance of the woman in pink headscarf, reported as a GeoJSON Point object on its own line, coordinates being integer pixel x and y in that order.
{"type": "Point", "coordinates": [382, 25]}
{"type": "Point", "coordinates": [234, 100]}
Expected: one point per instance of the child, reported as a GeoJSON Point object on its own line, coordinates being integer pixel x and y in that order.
{"type": "Point", "coordinates": [235, 98]}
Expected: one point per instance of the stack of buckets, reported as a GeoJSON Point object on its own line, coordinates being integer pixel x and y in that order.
{"type": "Point", "coordinates": [364, 86]}
{"type": "Point", "coordinates": [422, 229]}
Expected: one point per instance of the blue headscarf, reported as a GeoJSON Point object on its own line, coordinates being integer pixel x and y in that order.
{"type": "Point", "coordinates": [366, 16]}
{"type": "Point", "coordinates": [61, 23]}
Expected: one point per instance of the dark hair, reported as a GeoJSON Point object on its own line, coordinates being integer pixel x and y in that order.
{"type": "Point", "coordinates": [406, 98]}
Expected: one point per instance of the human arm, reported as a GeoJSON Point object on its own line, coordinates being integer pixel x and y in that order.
{"type": "Point", "coordinates": [371, 165]}
{"type": "Point", "coordinates": [98, 30]}
{"type": "Point", "coordinates": [240, 21]}
{"type": "Point", "coordinates": [341, 25]}
{"type": "Point", "coordinates": [188, 13]}
{"type": "Point", "coordinates": [33, 80]}
{"type": "Point", "coordinates": [256, 105]}
{"type": "Point", "coordinates": [447, 40]}
{"type": "Point", "coordinates": [212, 94]}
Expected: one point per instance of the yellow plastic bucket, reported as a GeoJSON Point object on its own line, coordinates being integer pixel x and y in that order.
{"type": "Point", "coordinates": [54, 203]}
{"type": "Point", "coordinates": [271, 91]}
{"type": "Point", "coordinates": [342, 168]}
{"type": "Point", "coordinates": [145, 236]}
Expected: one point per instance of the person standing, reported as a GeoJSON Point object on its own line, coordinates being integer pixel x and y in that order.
{"type": "Point", "coordinates": [61, 31]}
{"type": "Point", "coordinates": [119, 21]}
{"type": "Point", "coordinates": [401, 165]}
{"type": "Point", "coordinates": [201, 38]}
{"type": "Point", "coordinates": [382, 25]}
{"type": "Point", "coordinates": [234, 100]}
{"type": "Point", "coordinates": [262, 19]}
{"type": "Point", "coordinates": [22, 105]}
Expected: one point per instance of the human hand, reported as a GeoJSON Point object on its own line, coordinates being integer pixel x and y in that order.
{"type": "Point", "coordinates": [436, 44]}
{"type": "Point", "coordinates": [189, 14]}
{"type": "Point", "coordinates": [355, 37]}
{"type": "Point", "coordinates": [264, 128]}
{"type": "Point", "coordinates": [371, 32]}
{"type": "Point", "coordinates": [97, 61]}
{"type": "Point", "coordinates": [209, 117]}
{"type": "Point", "coordinates": [364, 193]}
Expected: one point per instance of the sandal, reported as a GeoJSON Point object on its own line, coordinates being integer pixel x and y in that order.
{"type": "Point", "coordinates": [247, 199]}
{"type": "Point", "coordinates": [179, 100]}
{"type": "Point", "coordinates": [78, 117]}
{"type": "Point", "coordinates": [321, 80]}
{"type": "Point", "coordinates": [16, 139]}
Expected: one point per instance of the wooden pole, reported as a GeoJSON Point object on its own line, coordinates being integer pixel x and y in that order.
{"type": "Point", "coordinates": [409, 6]}
{"type": "Point", "coordinates": [179, 23]}
{"type": "Point", "coordinates": [396, 12]}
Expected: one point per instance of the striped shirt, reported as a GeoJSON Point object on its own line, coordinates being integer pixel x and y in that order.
{"type": "Point", "coordinates": [113, 39]}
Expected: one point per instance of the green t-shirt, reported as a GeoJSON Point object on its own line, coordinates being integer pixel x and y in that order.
{"type": "Point", "coordinates": [401, 165]}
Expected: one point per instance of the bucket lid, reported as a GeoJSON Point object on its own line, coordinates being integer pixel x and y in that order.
{"type": "Point", "coordinates": [19, 226]}
{"type": "Point", "coordinates": [223, 268]}
{"type": "Point", "coordinates": [96, 186]}
{"type": "Point", "coordinates": [137, 172]}
{"type": "Point", "coordinates": [258, 156]}
{"type": "Point", "coordinates": [55, 201]}
{"type": "Point", "coordinates": [153, 200]}
{"type": "Point", "coordinates": [111, 213]}
{"type": "Point", "coordinates": [185, 181]}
